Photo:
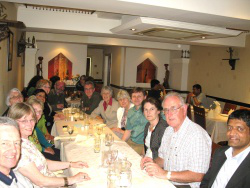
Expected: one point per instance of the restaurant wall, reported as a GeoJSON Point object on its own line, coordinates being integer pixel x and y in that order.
{"type": "Point", "coordinates": [15, 77]}
{"type": "Point", "coordinates": [97, 62]}
{"type": "Point", "coordinates": [215, 75]}
{"type": "Point", "coordinates": [135, 56]}
{"type": "Point", "coordinates": [76, 53]}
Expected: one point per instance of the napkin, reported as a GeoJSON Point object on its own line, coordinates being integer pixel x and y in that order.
{"type": "Point", "coordinates": [210, 114]}
{"type": "Point", "coordinates": [64, 137]}
{"type": "Point", "coordinates": [80, 138]}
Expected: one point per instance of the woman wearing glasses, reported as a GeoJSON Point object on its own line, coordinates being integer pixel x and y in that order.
{"type": "Point", "coordinates": [38, 136]}
{"type": "Point", "coordinates": [155, 128]}
{"type": "Point", "coordinates": [32, 163]}
{"type": "Point", "coordinates": [14, 96]}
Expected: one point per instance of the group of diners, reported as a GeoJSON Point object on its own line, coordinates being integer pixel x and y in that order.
{"type": "Point", "coordinates": [171, 145]}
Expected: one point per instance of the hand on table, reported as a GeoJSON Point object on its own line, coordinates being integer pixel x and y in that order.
{"type": "Point", "coordinates": [79, 177]}
{"type": "Point", "coordinates": [49, 137]}
{"type": "Point", "coordinates": [49, 150]}
{"type": "Point", "coordinates": [78, 164]}
{"type": "Point", "coordinates": [60, 106]}
{"type": "Point", "coordinates": [155, 170]}
{"type": "Point", "coordinates": [144, 161]}
{"type": "Point", "coordinates": [59, 117]}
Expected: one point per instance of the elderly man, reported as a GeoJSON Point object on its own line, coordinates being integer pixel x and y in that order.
{"type": "Point", "coordinates": [185, 149]}
{"type": "Point", "coordinates": [90, 98]}
{"type": "Point", "coordinates": [10, 147]}
{"type": "Point", "coordinates": [14, 96]}
{"type": "Point", "coordinates": [56, 96]}
{"type": "Point", "coordinates": [197, 98]}
{"type": "Point", "coordinates": [230, 164]}
{"type": "Point", "coordinates": [136, 122]}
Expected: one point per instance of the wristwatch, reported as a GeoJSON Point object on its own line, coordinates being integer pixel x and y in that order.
{"type": "Point", "coordinates": [168, 175]}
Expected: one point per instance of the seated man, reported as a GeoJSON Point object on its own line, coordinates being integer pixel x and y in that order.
{"type": "Point", "coordinates": [156, 89]}
{"type": "Point", "coordinates": [185, 150]}
{"type": "Point", "coordinates": [197, 98]}
{"type": "Point", "coordinates": [90, 98]}
{"type": "Point", "coordinates": [56, 96]}
{"type": "Point", "coordinates": [136, 122]}
{"type": "Point", "coordinates": [10, 147]}
{"type": "Point", "coordinates": [230, 165]}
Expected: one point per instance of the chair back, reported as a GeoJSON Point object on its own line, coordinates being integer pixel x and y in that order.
{"type": "Point", "coordinates": [228, 107]}
{"type": "Point", "coordinates": [189, 115]}
{"type": "Point", "coordinates": [199, 116]}
{"type": "Point", "coordinates": [244, 108]}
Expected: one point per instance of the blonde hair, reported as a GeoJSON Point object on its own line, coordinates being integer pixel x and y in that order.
{"type": "Point", "coordinates": [33, 100]}
{"type": "Point", "coordinates": [42, 82]}
{"type": "Point", "coordinates": [122, 94]}
{"type": "Point", "coordinates": [19, 110]}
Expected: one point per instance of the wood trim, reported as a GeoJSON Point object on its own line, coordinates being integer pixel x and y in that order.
{"type": "Point", "coordinates": [186, 92]}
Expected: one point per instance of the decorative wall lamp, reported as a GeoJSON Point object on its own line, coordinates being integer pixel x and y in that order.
{"type": "Point", "coordinates": [22, 44]}
{"type": "Point", "coordinates": [231, 61]}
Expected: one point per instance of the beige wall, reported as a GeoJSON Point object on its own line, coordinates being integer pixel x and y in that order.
{"type": "Point", "coordinates": [135, 56]}
{"type": "Point", "coordinates": [13, 78]}
{"type": "Point", "coordinates": [97, 62]}
{"type": "Point", "coordinates": [215, 75]}
{"type": "Point", "coordinates": [76, 53]}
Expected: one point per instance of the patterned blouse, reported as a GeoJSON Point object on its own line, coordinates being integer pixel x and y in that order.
{"type": "Point", "coordinates": [31, 154]}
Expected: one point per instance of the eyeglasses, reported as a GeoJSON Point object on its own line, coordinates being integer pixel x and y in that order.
{"type": "Point", "coordinates": [16, 97]}
{"type": "Point", "coordinates": [173, 110]}
{"type": "Point", "coordinates": [27, 121]}
{"type": "Point", "coordinates": [8, 143]}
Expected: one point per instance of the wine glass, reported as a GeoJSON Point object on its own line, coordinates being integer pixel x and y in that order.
{"type": "Point", "coordinates": [70, 130]}
{"type": "Point", "coordinates": [109, 140]}
{"type": "Point", "coordinates": [99, 130]}
{"type": "Point", "coordinates": [111, 156]}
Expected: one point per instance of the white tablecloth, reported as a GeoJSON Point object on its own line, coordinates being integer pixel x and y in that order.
{"type": "Point", "coordinates": [84, 151]}
{"type": "Point", "coordinates": [217, 128]}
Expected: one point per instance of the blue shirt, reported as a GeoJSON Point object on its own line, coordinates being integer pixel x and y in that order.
{"type": "Point", "coordinates": [136, 122]}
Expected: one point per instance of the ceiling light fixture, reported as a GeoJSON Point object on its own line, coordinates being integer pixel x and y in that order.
{"type": "Point", "coordinates": [133, 29]}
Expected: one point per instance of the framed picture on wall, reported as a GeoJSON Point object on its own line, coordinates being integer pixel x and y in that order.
{"type": "Point", "coordinates": [10, 50]}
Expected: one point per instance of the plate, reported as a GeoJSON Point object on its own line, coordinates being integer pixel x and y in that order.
{"type": "Point", "coordinates": [224, 115]}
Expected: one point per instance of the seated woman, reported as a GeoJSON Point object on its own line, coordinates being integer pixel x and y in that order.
{"type": "Point", "coordinates": [41, 124]}
{"type": "Point", "coordinates": [32, 163]}
{"type": "Point", "coordinates": [48, 112]}
{"type": "Point", "coordinates": [125, 104]}
{"type": "Point", "coordinates": [37, 137]}
{"type": "Point", "coordinates": [107, 108]}
{"type": "Point", "coordinates": [155, 128]}
{"type": "Point", "coordinates": [14, 96]}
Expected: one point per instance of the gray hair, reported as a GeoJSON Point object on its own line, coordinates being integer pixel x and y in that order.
{"type": "Point", "coordinates": [33, 100]}
{"type": "Point", "coordinates": [89, 83]}
{"type": "Point", "coordinates": [174, 94]}
{"type": "Point", "coordinates": [122, 94]}
{"type": "Point", "coordinates": [107, 88]}
{"type": "Point", "coordinates": [6, 121]}
{"type": "Point", "coordinates": [7, 102]}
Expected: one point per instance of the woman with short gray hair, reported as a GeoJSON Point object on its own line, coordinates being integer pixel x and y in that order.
{"type": "Point", "coordinates": [107, 108]}
{"type": "Point", "coordinates": [14, 96]}
{"type": "Point", "coordinates": [125, 104]}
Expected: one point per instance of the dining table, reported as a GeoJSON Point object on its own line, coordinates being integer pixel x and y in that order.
{"type": "Point", "coordinates": [80, 147]}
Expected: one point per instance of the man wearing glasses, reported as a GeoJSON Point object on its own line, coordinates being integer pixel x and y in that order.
{"type": "Point", "coordinates": [90, 99]}
{"type": "Point", "coordinates": [185, 150]}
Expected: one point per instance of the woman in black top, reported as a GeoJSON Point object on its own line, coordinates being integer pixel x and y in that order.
{"type": "Point", "coordinates": [155, 128]}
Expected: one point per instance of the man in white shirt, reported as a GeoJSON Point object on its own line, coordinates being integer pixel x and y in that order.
{"type": "Point", "coordinates": [231, 165]}
{"type": "Point", "coordinates": [185, 150]}
{"type": "Point", "coordinates": [10, 147]}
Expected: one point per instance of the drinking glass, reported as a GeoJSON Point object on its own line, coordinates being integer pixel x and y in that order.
{"type": "Point", "coordinates": [66, 114]}
{"type": "Point", "coordinates": [111, 156]}
{"type": "Point", "coordinates": [97, 145]}
{"type": "Point", "coordinates": [81, 115]}
{"type": "Point", "coordinates": [99, 130]}
{"type": "Point", "coordinates": [109, 140]}
{"type": "Point", "coordinates": [70, 130]}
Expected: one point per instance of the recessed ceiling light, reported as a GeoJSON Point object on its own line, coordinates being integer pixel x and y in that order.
{"type": "Point", "coordinates": [133, 29]}
{"type": "Point", "coordinates": [203, 37]}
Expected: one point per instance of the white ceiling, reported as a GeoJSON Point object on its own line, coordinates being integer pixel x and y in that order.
{"type": "Point", "coordinates": [226, 14]}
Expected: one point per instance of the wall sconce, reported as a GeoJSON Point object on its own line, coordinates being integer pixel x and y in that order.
{"type": "Point", "coordinates": [22, 44]}
{"type": "Point", "coordinates": [231, 61]}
